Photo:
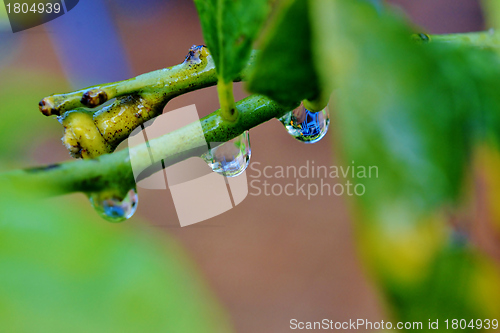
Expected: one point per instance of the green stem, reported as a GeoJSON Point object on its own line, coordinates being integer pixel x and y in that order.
{"type": "Point", "coordinates": [153, 90]}
{"type": "Point", "coordinates": [226, 100]}
{"type": "Point", "coordinates": [482, 39]}
{"type": "Point", "coordinates": [90, 134]}
{"type": "Point", "coordinates": [196, 72]}
{"type": "Point", "coordinates": [114, 171]}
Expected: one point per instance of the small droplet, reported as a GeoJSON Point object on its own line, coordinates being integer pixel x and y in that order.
{"type": "Point", "coordinates": [305, 125]}
{"type": "Point", "coordinates": [231, 158]}
{"type": "Point", "coordinates": [114, 208]}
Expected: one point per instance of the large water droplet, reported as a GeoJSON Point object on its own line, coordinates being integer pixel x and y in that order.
{"type": "Point", "coordinates": [114, 208]}
{"type": "Point", "coordinates": [305, 125]}
{"type": "Point", "coordinates": [231, 158]}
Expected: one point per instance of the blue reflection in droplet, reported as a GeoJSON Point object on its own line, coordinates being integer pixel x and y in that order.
{"type": "Point", "coordinates": [306, 126]}
{"type": "Point", "coordinates": [113, 208]}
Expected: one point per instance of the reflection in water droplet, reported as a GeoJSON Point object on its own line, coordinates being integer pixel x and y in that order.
{"type": "Point", "coordinates": [306, 126]}
{"type": "Point", "coordinates": [114, 208]}
{"type": "Point", "coordinates": [231, 158]}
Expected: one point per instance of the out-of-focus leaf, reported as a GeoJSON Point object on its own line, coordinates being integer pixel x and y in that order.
{"type": "Point", "coordinates": [4, 19]}
{"type": "Point", "coordinates": [63, 269]}
{"type": "Point", "coordinates": [21, 123]}
{"type": "Point", "coordinates": [487, 162]}
{"type": "Point", "coordinates": [446, 292]}
{"type": "Point", "coordinates": [230, 28]}
{"type": "Point", "coordinates": [491, 11]}
{"type": "Point", "coordinates": [415, 111]}
{"type": "Point", "coordinates": [284, 69]}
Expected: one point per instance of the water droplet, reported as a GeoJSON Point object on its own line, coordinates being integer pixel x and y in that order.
{"type": "Point", "coordinates": [114, 208]}
{"type": "Point", "coordinates": [231, 158]}
{"type": "Point", "coordinates": [305, 125]}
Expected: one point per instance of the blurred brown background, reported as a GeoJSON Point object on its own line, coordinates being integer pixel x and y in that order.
{"type": "Point", "coordinates": [272, 258]}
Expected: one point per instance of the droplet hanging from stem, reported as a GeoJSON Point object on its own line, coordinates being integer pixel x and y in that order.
{"type": "Point", "coordinates": [113, 207]}
{"type": "Point", "coordinates": [231, 158]}
{"type": "Point", "coordinates": [306, 126]}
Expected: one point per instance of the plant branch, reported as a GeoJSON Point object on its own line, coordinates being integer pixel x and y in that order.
{"type": "Point", "coordinates": [140, 99]}
{"type": "Point", "coordinates": [165, 83]}
{"type": "Point", "coordinates": [114, 171]}
{"type": "Point", "coordinates": [226, 100]}
{"type": "Point", "coordinates": [195, 72]}
{"type": "Point", "coordinates": [90, 134]}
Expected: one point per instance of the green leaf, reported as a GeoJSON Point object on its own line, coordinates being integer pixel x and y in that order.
{"type": "Point", "coordinates": [22, 125]}
{"type": "Point", "coordinates": [412, 110]}
{"type": "Point", "coordinates": [284, 70]}
{"type": "Point", "coordinates": [415, 111]}
{"type": "Point", "coordinates": [64, 269]}
{"type": "Point", "coordinates": [229, 29]}
{"type": "Point", "coordinates": [491, 12]}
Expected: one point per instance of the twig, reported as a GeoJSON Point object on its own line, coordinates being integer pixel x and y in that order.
{"type": "Point", "coordinates": [90, 134]}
